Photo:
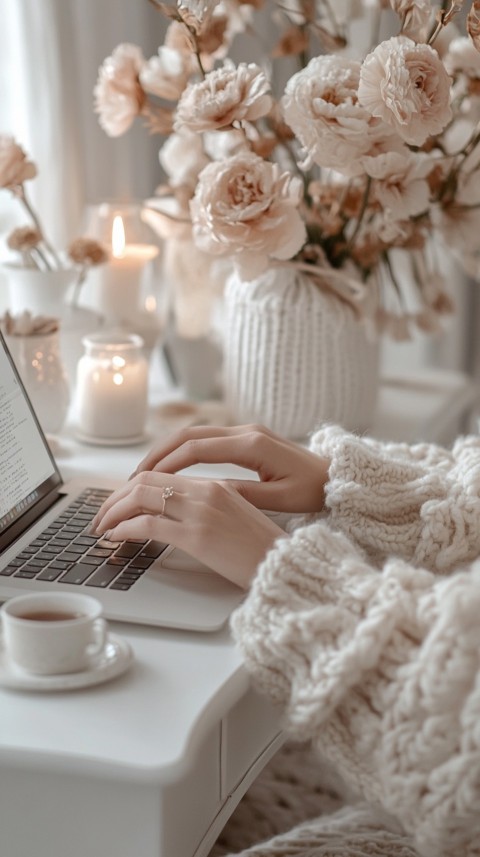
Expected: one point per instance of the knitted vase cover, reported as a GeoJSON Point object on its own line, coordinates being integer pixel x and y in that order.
{"type": "Point", "coordinates": [296, 356]}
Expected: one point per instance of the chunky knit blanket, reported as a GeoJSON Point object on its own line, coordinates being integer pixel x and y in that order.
{"type": "Point", "coordinates": [365, 630]}
{"type": "Point", "coordinates": [299, 806]}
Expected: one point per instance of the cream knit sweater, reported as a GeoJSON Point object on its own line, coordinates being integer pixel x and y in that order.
{"type": "Point", "coordinates": [365, 628]}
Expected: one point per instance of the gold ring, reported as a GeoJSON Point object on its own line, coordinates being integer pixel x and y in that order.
{"type": "Point", "coordinates": [166, 493]}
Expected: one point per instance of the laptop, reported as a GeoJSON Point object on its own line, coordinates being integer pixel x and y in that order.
{"type": "Point", "coordinates": [46, 546]}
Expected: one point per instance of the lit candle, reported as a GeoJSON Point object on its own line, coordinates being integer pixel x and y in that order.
{"type": "Point", "coordinates": [112, 388]}
{"type": "Point", "coordinates": [120, 280]}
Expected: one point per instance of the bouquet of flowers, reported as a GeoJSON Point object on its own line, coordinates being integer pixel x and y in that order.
{"type": "Point", "coordinates": [356, 170]}
{"type": "Point", "coordinates": [29, 241]}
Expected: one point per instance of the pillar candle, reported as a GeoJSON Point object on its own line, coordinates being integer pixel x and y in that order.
{"type": "Point", "coordinates": [119, 281]}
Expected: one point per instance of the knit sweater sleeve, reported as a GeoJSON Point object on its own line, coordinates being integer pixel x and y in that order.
{"type": "Point", "coordinates": [421, 503]}
{"type": "Point", "coordinates": [381, 669]}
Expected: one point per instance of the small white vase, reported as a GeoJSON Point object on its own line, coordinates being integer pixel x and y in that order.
{"type": "Point", "coordinates": [40, 292]}
{"type": "Point", "coordinates": [296, 356]}
{"type": "Point", "coordinates": [43, 374]}
{"type": "Point", "coordinates": [49, 293]}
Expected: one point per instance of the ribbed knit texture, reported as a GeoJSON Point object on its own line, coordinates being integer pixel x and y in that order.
{"type": "Point", "coordinates": [295, 356]}
{"type": "Point", "coordinates": [378, 662]}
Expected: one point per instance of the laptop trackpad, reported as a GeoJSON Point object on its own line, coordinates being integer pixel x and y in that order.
{"type": "Point", "coordinates": [181, 561]}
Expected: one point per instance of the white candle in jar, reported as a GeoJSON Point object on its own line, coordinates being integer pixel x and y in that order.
{"type": "Point", "coordinates": [112, 388]}
{"type": "Point", "coordinates": [120, 280]}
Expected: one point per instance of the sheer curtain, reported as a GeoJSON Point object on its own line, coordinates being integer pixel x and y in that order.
{"type": "Point", "coordinates": [49, 58]}
{"type": "Point", "coordinates": [50, 52]}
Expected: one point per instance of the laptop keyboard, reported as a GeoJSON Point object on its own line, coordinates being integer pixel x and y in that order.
{"type": "Point", "coordinates": [65, 552]}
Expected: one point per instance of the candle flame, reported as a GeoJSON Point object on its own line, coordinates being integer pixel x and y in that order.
{"type": "Point", "coordinates": [118, 237]}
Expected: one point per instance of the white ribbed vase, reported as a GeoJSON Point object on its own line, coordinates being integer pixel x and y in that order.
{"type": "Point", "coordinates": [296, 356]}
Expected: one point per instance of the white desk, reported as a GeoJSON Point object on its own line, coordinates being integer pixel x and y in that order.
{"type": "Point", "coordinates": [152, 764]}
{"type": "Point", "coordinates": [149, 765]}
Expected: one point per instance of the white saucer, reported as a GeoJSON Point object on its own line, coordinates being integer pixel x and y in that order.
{"type": "Point", "coordinates": [90, 439]}
{"type": "Point", "coordinates": [113, 661]}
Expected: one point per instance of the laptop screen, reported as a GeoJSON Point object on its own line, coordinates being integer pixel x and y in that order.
{"type": "Point", "coordinates": [27, 469]}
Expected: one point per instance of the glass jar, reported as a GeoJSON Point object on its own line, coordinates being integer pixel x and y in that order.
{"type": "Point", "coordinates": [39, 362]}
{"type": "Point", "coordinates": [112, 389]}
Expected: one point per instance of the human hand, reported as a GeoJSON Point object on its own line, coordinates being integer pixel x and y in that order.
{"type": "Point", "coordinates": [207, 519]}
{"type": "Point", "coordinates": [292, 479]}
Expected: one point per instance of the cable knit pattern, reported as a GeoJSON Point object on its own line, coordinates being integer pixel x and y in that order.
{"type": "Point", "coordinates": [381, 668]}
{"type": "Point", "coordinates": [421, 503]}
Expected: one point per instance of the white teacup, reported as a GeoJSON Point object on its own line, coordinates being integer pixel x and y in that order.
{"type": "Point", "coordinates": [53, 633]}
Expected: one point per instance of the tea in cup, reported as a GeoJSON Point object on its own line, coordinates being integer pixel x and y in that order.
{"type": "Point", "coordinates": [53, 633]}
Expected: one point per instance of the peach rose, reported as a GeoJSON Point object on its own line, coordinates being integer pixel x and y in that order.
{"type": "Point", "coordinates": [320, 105]}
{"type": "Point", "coordinates": [119, 96]}
{"type": "Point", "coordinates": [245, 208]}
{"type": "Point", "coordinates": [14, 166]}
{"type": "Point", "coordinates": [182, 157]}
{"type": "Point", "coordinates": [407, 86]}
{"type": "Point", "coordinates": [166, 75]}
{"type": "Point", "coordinates": [225, 95]}
{"type": "Point", "coordinates": [401, 185]}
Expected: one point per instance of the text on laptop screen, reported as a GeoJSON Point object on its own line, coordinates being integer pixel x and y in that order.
{"type": "Point", "coordinates": [27, 470]}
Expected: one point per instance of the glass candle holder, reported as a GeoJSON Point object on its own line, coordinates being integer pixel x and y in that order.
{"type": "Point", "coordinates": [112, 389]}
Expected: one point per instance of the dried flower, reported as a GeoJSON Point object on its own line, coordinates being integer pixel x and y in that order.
{"type": "Point", "coordinates": [166, 75]}
{"type": "Point", "coordinates": [226, 95]}
{"type": "Point", "coordinates": [30, 241]}
{"type": "Point", "coordinates": [24, 238]}
{"type": "Point", "coordinates": [415, 16]}
{"type": "Point", "coordinates": [87, 251]}
{"type": "Point", "coordinates": [473, 23]}
{"type": "Point", "coordinates": [244, 206]}
{"type": "Point", "coordinates": [321, 106]}
{"type": "Point", "coordinates": [26, 324]}
{"type": "Point", "coordinates": [348, 171]}
{"type": "Point", "coordinates": [15, 168]}
{"type": "Point", "coordinates": [407, 86]}
{"type": "Point", "coordinates": [118, 94]}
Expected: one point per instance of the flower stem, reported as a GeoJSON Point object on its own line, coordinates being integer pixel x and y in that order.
{"type": "Point", "coordinates": [24, 199]}
{"type": "Point", "coordinates": [78, 285]}
{"type": "Point", "coordinates": [361, 215]}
